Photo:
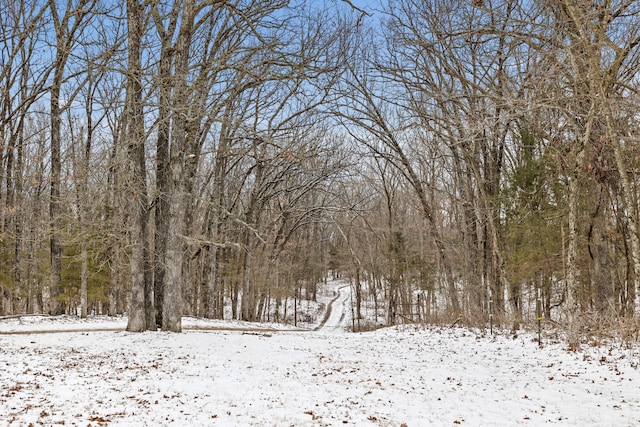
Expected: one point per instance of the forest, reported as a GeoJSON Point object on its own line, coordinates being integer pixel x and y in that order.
{"type": "Point", "coordinates": [456, 160]}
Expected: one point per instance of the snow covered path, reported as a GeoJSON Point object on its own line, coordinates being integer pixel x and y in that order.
{"type": "Point", "coordinates": [337, 311]}
{"type": "Point", "coordinates": [390, 377]}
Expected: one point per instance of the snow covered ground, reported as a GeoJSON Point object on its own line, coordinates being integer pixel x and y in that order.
{"type": "Point", "coordinates": [413, 376]}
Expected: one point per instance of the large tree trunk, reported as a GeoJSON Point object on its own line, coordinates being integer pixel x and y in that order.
{"type": "Point", "coordinates": [163, 179]}
{"type": "Point", "coordinates": [573, 282]}
{"type": "Point", "coordinates": [140, 307]}
{"type": "Point", "coordinates": [180, 155]}
{"type": "Point", "coordinates": [172, 295]}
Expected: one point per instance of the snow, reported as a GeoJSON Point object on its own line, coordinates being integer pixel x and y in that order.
{"type": "Point", "coordinates": [99, 375]}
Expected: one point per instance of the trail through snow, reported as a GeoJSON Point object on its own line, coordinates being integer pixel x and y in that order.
{"type": "Point", "coordinates": [413, 376]}
{"type": "Point", "coordinates": [336, 316]}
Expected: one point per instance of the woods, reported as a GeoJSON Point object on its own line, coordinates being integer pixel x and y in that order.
{"type": "Point", "coordinates": [217, 159]}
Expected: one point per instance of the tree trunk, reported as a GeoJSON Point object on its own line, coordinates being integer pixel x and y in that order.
{"type": "Point", "coordinates": [180, 154]}
{"type": "Point", "coordinates": [163, 179]}
{"type": "Point", "coordinates": [83, 278]}
{"type": "Point", "coordinates": [140, 306]}
{"type": "Point", "coordinates": [572, 280]}
{"type": "Point", "coordinates": [172, 296]}
{"type": "Point", "coordinates": [55, 246]}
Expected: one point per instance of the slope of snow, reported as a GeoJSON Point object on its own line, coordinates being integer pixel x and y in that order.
{"type": "Point", "coordinates": [413, 376]}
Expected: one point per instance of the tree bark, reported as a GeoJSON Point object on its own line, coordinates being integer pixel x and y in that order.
{"type": "Point", "coordinates": [141, 316]}
{"type": "Point", "coordinates": [180, 155]}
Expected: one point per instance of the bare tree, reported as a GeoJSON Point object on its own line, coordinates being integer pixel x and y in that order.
{"type": "Point", "coordinates": [68, 25]}
{"type": "Point", "coordinates": [23, 82]}
{"type": "Point", "coordinates": [141, 316]}
{"type": "Point", "coordinates": [600, 45]}
{"type": "Point", "coordinates": [368, 109]}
